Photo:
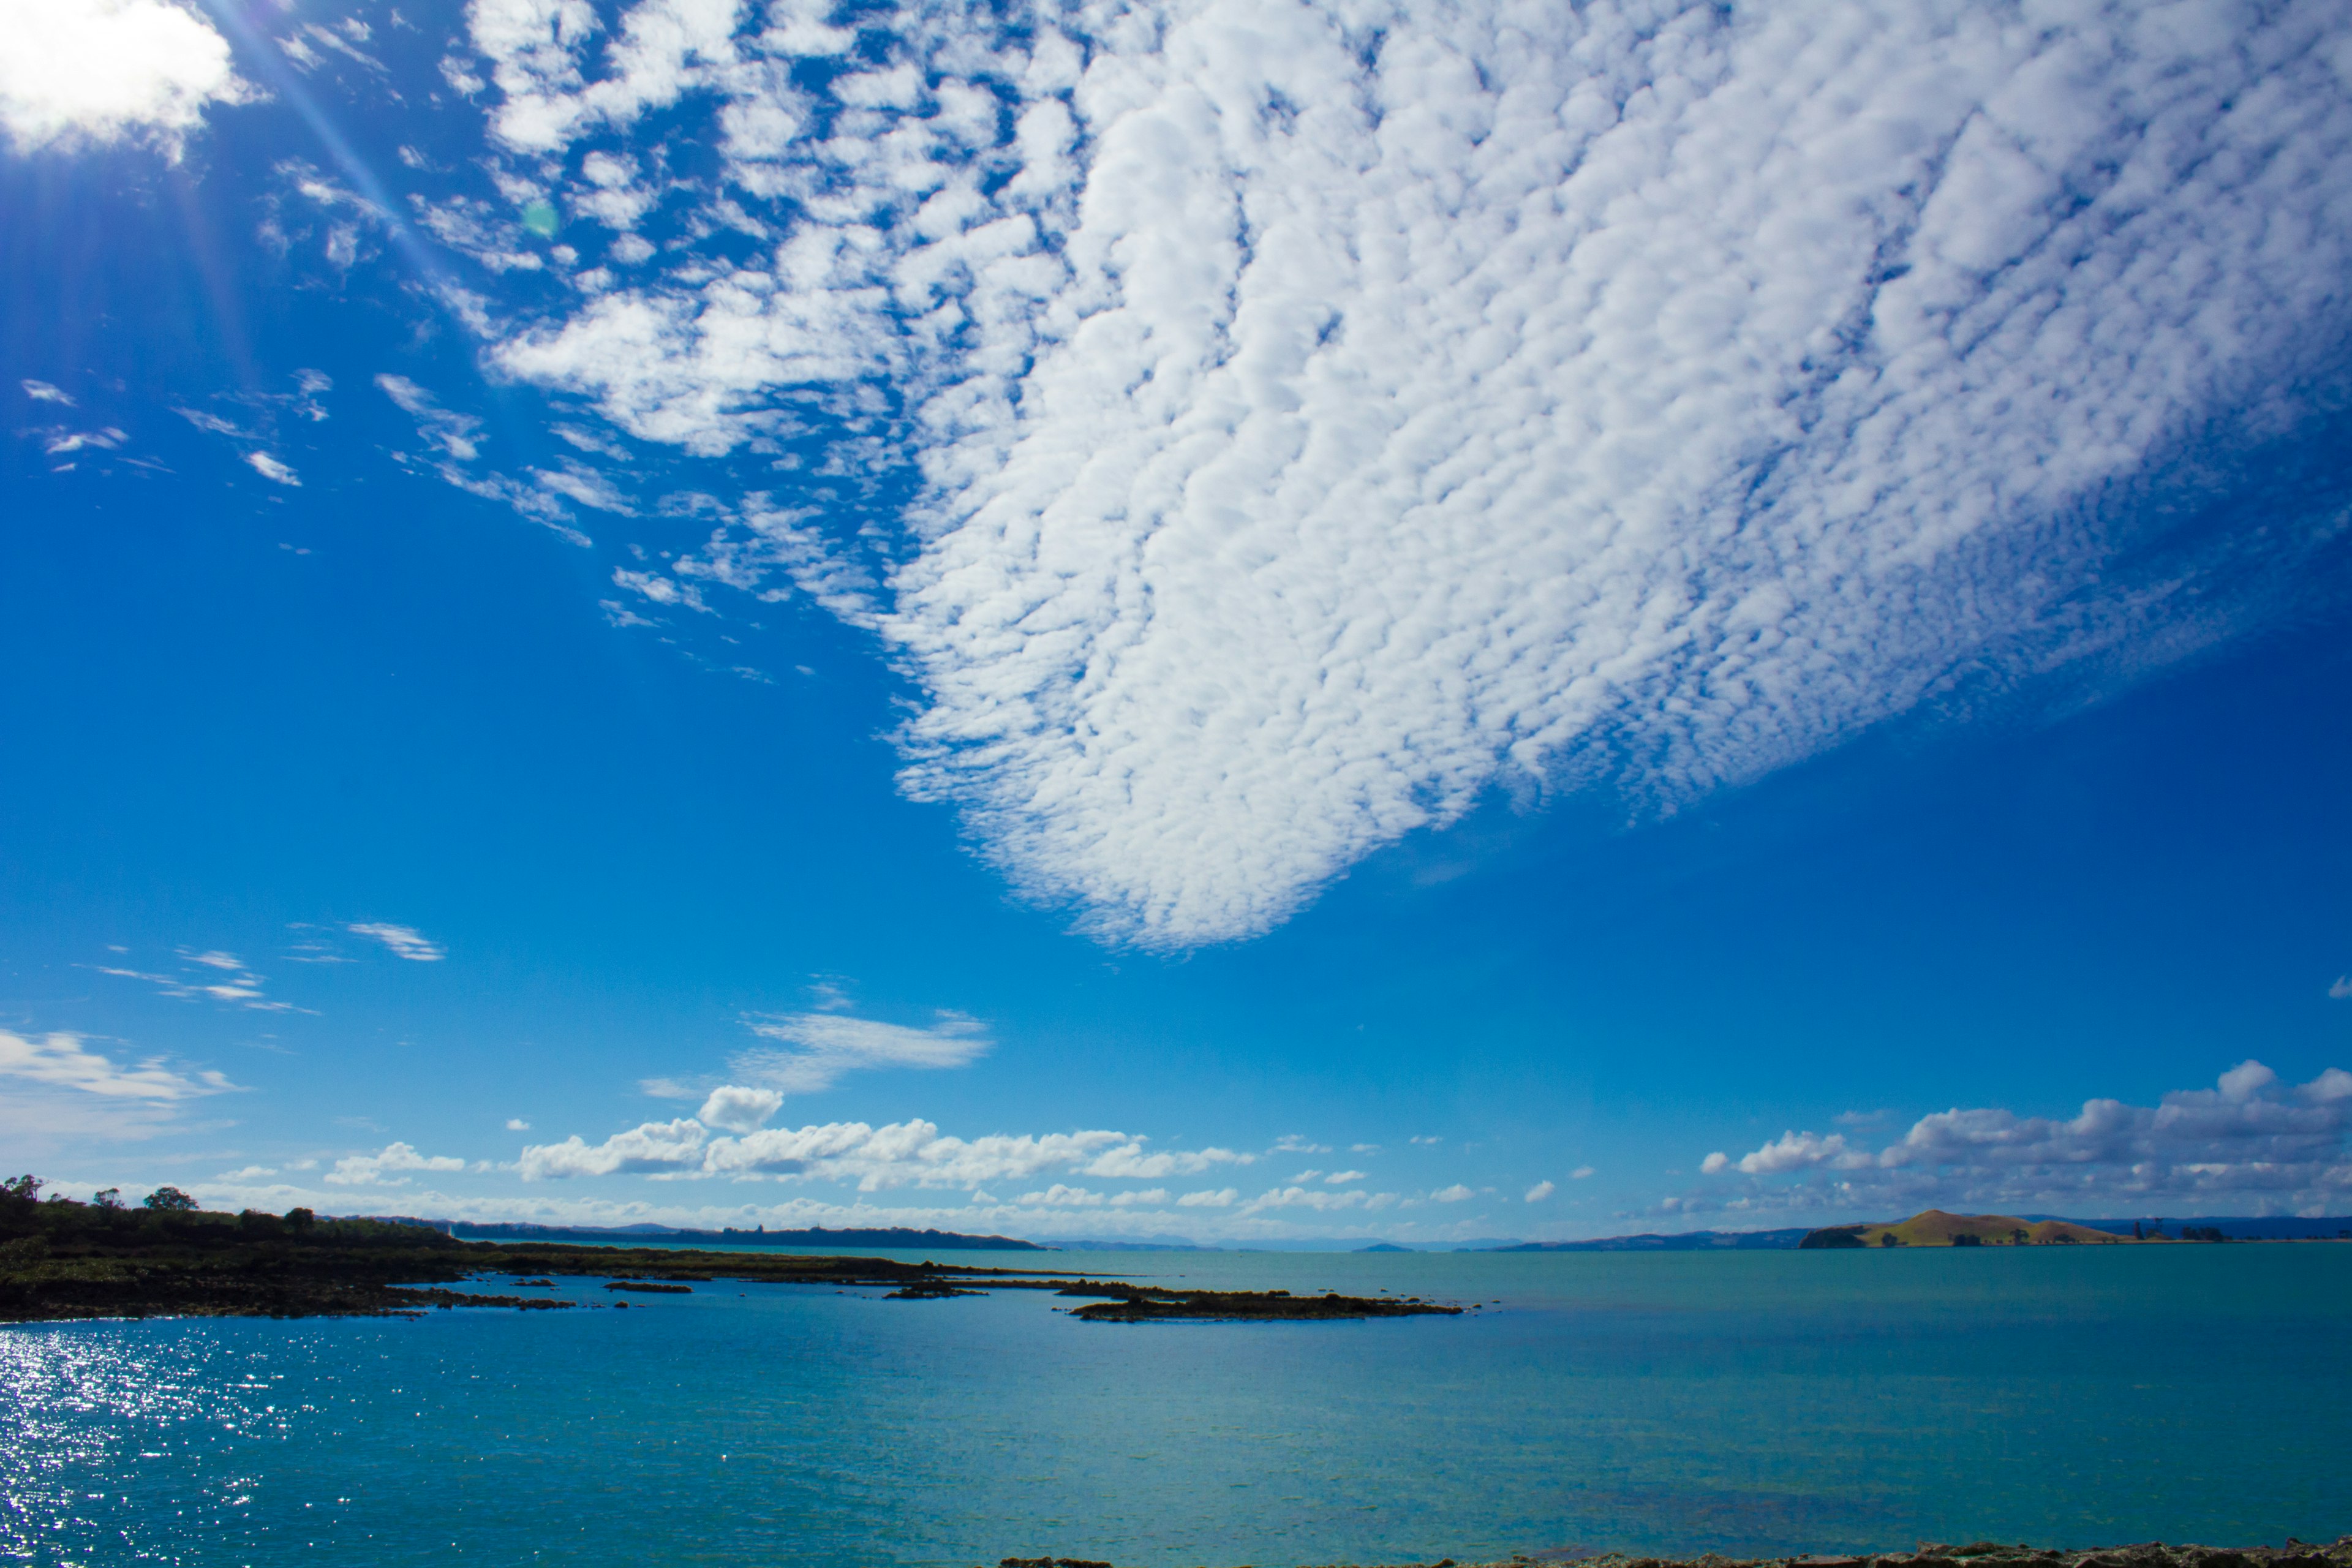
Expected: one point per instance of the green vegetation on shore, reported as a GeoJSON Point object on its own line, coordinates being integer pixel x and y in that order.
{"type": "Point", "coordinates": [1934, 1228]}
{"type": "Point", "coordinates": [61, 1259]}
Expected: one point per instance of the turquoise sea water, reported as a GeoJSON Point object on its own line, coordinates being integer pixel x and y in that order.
{"type": "Point", "coordinates": [1750, 1403]}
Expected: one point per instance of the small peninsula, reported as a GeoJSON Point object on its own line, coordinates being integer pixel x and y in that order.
{"type": "Point", "coordinates": [61, 1259]}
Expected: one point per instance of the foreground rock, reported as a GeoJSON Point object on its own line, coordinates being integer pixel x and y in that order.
{"type": "Point", "coordinates": [1149, 1304]}
{"type": "Point", "coordinates": [1978, 1554]}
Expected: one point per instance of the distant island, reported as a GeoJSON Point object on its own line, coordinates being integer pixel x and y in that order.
{"type": "Point", "coordinates": [1934, 1228]}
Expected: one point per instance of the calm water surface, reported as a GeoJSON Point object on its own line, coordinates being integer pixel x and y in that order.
{"type": "Point", "coordinates": [1745, 1401]}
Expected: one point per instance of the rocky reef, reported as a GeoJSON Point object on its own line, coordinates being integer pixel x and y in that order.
{"type": "Point", "coordinates": [1123, 1303]}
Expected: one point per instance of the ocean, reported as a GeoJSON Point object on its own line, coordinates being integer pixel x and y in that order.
{"type": "Point", "coordinates": [1745, 1402]}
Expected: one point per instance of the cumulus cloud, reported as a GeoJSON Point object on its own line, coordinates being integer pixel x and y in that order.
{"type": "Point", "coordinates": [405, 941]}
{"type": "Point", "coordinates": [61, 1060]}
{"type": "Point", "coordinates": [1320, 419]}
{"type": "Point", "coordinates": [1455, 1193]}
{"type": "Point", "coordinates": [736, 1108]}
{"type": "Point", "coordinates": [900, 1154]}
{"type": "Point", "coordinates": [1793, 1151]}
{"type": "Point", "coordinates": [376, 1169]}
{"type": "Point", "coordinates": [2247, 1140]}
{"type": "Point", "coordinates": [828, 1045]}
{"type": "Point", "coordinates": [1539, 1192]}
{"type": "Point", "coordinates": [78, 72]}
{"type": "Point", "coordinates": [1318, 1200]}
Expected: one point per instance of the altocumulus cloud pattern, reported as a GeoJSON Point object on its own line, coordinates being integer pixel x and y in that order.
{"type": "Point", "coordinates": [1319, 416]}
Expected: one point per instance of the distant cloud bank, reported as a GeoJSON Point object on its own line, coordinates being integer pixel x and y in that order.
{"type": "Point", "coordinates": [2249, 1140]}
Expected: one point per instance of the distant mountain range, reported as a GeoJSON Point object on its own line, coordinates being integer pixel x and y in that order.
{"type": "Point", "coordinates": [1681, 1241]}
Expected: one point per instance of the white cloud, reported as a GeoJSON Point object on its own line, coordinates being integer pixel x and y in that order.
{"type": "Point", "coordinates": [832, 1044]}
{"type": "Point", "coordinates": [736, 1108]}
{"type": "Point", "coordinates": [1316, 1199]}
{"type": "Point", "coordinates": [517, 1124]}
{"type": "Point", "coordinates": [1337, 1177]}
{"type": "Point", "coordinates": [650, 1147]}
{"type": "Point", "coordinates": [42, 392]}
{"type": "Point", "coordinates": [1455, 1193]}
{"type": "Point", "coordinates": [405, 941]}
{"type": "Point", "coordinates": [60, 1060]}
{"type": "Point", "coordinates": [2342, 988]}
{"type": "Point", "coordinates": [1210, 1198]}
{"type": "Point", "coordinates": [2247, 1143]}
{"type": "Point", "coordinates": [1579, 1174]}
{"type": "Point", "coordinates": [373, 1170]}
{"type": "Point", "coordinates": [1291, 1144]}
{"type": "Point", "coordinates": [900, 1155]}
{"type": "Point", "coordinates": [270, 469]}
{"type": "Point", "coordinates": [1679, 384]}
{"type": "Point", "coordinates": [1539, 1192]}
{"type": "Point", "coordinates": [1792, 1152]}
{"type": "Point", "coordinates": [214, 977]}
{"type": "Point", "coordinates": [99, 71]}
{"type": "Point", "coordinates": [1061, 1197]}
{"type": "Point", "coordinates": [1129, 1162]}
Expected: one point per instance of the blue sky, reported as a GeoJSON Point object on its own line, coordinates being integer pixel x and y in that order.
{"type": "Point", "coordinates": [1286, 623]}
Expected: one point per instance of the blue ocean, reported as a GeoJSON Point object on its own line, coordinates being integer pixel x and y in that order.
{"type": "Point", "coordinates": [1743, 1403]}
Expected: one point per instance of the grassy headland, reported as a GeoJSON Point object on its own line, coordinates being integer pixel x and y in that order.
{"type": "Point", "coordinates": [1934, 1228]}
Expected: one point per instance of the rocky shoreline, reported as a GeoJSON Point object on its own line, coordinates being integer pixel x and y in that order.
{"type": "Point", "coordinates": [1928, 1554]}
{"type": "Point", "coordinates": [62, 1260]}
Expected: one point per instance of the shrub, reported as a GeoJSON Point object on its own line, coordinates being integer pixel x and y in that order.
{"type": "Point", "coordinates": [172, 1199]}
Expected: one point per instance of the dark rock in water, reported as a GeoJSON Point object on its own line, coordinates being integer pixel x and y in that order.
{"type": "Point", "coordinates": [1051, 1563]}
{"type": "Point", "coordinates": [1149, 1303]}
{"type": "Point", "coordinates": [928, 1291]}
{"type": "Point", "coordinates": [649, 1288]}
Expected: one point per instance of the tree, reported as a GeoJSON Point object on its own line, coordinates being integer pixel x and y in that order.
{"type": "Point", "coordinates": [170, 1199]}
{"type": "Point", "coordinates": [110, 1198]}
{"type": "Point", "coordinates": [300, 1219]}
{"type": "Point", "coordinates": [24, 1189]}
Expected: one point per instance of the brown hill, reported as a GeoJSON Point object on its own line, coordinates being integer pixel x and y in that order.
{"type": "Point", "coordinates": [1934, 1228]}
